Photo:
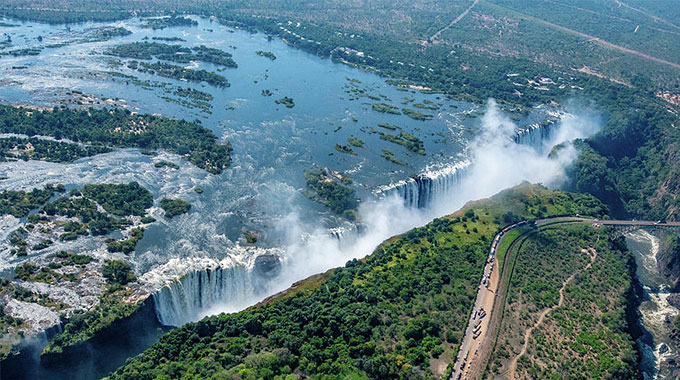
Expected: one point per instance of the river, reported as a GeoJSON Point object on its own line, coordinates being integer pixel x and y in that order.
{"type": "Point", "coordinates": [654, 308]}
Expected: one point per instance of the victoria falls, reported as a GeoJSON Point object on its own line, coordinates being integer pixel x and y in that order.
{"type": "Point", "coordinates": [238, 190]}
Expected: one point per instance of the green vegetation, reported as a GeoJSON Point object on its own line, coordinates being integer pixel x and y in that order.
{"type": "Point", "coordinates": [286, 101]}
{"type": "Point", "coordinates": [508, 238]}
{"type": "Point", "coordinates": [593, 317]}
{"type": "Point", "coordinates": [193, 94]}
{"type": "Point", "coordinates": [107, 33]}
{"type": "Point", "coordinates": [68, 258]}
{"type": "Point", "coordinates": [16, 148]}
{"type": "Point", "coordinates": [397, 314]}
{"type": "Point", "coordinates": [344, 149]}
{"type": "Point", "coordinates": [428, 105]}
{"type": "Point", "coordinates": [44, 243]}
{"type": "Point", "coordinates": [389, 126]}
{"type": "Point", "coordinates": [120, 199]}
{"type": "Point", "coordinates": [167, 22]}
{"type": "Point", "coordinates": [386, 108]}
{"type": "Point", "coordinates": [80, 327]}
{"type": "Point", "coordinates": [353, 141]}
{"type": "Point", "coordinates": [412, 143]}
{"type": "Point", "coordinates": [266, 54]}
{"type": "Point", "coordinates": [251, 237]}
{"type": "Point", "coordinates": [20, 203]}
{"type": "Point", "coordinates": [118, 272]}
{"type": "Point", "coordinates": [86, 212]}
{"type": "Point", "coordinates": [33, 273]}
{"type": "Point", "coordinates": [23, 52]}
{"type": "Point", "coordinates": [267, 93]}
{"type": "Point", "coordinates": [331, 189]}
{"type": "Point", "coordinates": [173, 53]}
{"type": "Point", "coordinates": [164, 164]}
{"type": "Point", "coordinates": [174, 207]}
{"type": "Point", "coordinates": [198, 190]}
{"type": "Point", "coordinates": [416, 115]}
{"type": "Point", "coordinates": [126, 246]}
{"type": "Point", "coordinates": [7, 321]}
{"type": "Point", "coordinates": [26, 295]}
{"type": "Point", "coordinates": [214, 56]}
{"type": "Point", "coordinates": [117, 128]}
{"type": "Point", "coordinates": [389, 156]}
{"type": "Point", "coordinates": [169, 39]}
{"type": "Point", "coordinates": [180, 73]}
{"type": "Point", "coordinates": [82, 210]}
{"type": "Point", "coordinates": [48, 15]}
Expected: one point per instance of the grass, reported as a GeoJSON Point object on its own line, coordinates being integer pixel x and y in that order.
{"type": "Point", "coordinates": [506, 241]}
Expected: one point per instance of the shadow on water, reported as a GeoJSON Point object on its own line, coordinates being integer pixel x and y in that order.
{"type": "Point", "coordinates": [104, 353]}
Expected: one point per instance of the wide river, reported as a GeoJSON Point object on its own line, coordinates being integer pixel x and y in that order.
{"type": "Point", "coordinates": [263, 190]}
{"type": "Point", "coordinates": [273, 145]}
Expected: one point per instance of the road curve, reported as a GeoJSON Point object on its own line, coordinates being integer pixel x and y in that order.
{"type": "Point", "coordinates": [477, 331]}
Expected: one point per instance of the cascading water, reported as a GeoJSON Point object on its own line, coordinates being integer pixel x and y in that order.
{"type": "Point", "coordinates": [189, 297]}
{"type": "Point", "coordinates": [421, 190]}
{"type": "Point", "coordinates": [424, 189]}
{"type": "Point", "coordinates": [535, 135]}
{"type": "Point", "coordinates": [199, 292]}
{"type": "Point", "coordinates": [231, 287]}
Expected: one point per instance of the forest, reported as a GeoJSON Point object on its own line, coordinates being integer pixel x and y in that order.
{"type": "Point", "coordinates": [172, 53]}
{"type": "Point", "coordinates": [332, 190]}
{"type": "Point", "coordinates": [180, 73]}
{"type": "Point", "coordinates": [174, 207]}
{"type": "Point", "coordinates": [117, 128]}
{"type": "Point", "coordinates": [16, 148]}
{"type": "Point", "coordinates": [392, 315]}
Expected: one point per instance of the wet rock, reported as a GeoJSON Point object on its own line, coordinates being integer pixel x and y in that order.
{"type": "Point", "coordinates": [668, 258]}
{"type": "Point", "coordinates": [674, 300]}
{"type": "Point", "coordinates": [663, 348]}
{"type": "Point", "coordinates": [37, 317]}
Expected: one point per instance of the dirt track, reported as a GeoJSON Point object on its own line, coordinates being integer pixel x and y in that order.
{"type": "Point", "coordinates": [495, 297]}
{"type": "Point", "coordinates": [527, 334]}
{"type": "Point", "coordinates": [435, 36]}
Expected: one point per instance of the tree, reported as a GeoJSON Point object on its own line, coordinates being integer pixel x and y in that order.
{"type": "Point", "coordinates": [118, 272]}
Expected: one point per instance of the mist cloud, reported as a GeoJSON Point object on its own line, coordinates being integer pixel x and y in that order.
{"type": "Point", "coordinates": [497, 162]}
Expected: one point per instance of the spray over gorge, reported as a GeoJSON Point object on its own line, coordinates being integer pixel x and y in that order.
{"type": "Point", "coordinates": [286, 190]}
{"type": "Point", "coordinates": [321, 170]}
{"type": "Point", "coordinates": [494, 162]}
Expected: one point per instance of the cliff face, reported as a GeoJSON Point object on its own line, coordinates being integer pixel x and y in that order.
{"type": "Point", "coordinates": [668, 258]}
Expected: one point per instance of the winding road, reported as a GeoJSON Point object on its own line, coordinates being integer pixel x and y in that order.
{"type": "Point", "coordinates": [476, 345]}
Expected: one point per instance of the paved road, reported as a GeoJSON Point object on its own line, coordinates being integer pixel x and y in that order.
{"type": "Point", "coordinates": [478, 325]}
{"type": "Point", "coordinates": [477, 335]}
{"type": "Point", "coordinates": [608, 222]}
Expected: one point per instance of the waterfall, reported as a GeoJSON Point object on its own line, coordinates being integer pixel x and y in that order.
{"type": "Point", "coordinates": [537, 134]}
{"type": "Point", "coordinates": [200, 291]}
{"type": "Point", "coordinates": [189, 297]}
{"type": "Point", "coordinates": [422, 190]}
